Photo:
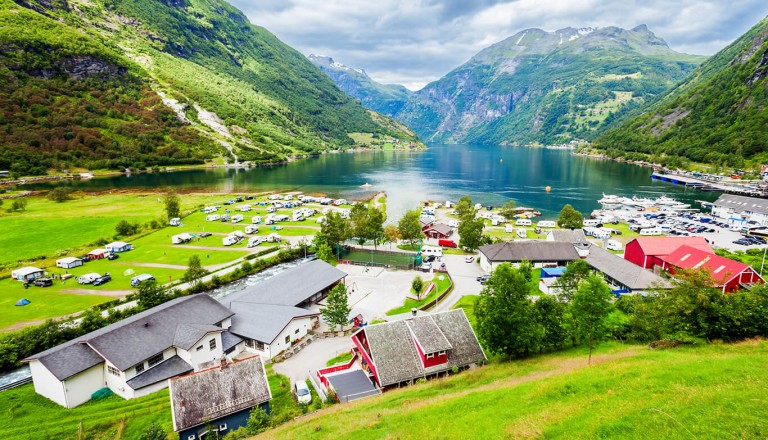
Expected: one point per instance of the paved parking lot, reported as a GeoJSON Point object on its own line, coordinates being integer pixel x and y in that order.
{"type": "Point", "coordinates": [312, 357]}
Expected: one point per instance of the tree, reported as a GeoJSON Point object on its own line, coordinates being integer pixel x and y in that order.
{"type": "Point", "coordinates": [18, 205]}
{"type": "Point", "coordinates": [325, 253]}
{"type": "Point", "coordinates": [409, 227]}
{"type": "Point", "coordinates": [59, 194]}
{"type": "Point", "coordinates": [359, 217]}
{"type": "Point", "coordinates": [92, 320]}
{"type": "Point", "coordinates": [258, 421]}
{"type": "Point", "coordinates": [194, 271]}
{"type": "Point", "coordinates": [590, 307]}
{"type": "Point", "coordinates": [172, 204]}
{"type": "Point", "coordinates": [417, 285]}
{"type": "Point", "coordinates": [570, 218]}
{"type": "Point", "coordinates": [150, 294]}
{"type": "Point", "coordinates": [550, 314]}
{"type": "Point", "coordinates": [471, 233]}
{"type": "Point", "coordinates": [508, 210]}
{"type": "Point", "coordinates": [337, 310]}
{"type": "Point", "coordinates": [506, 319]}
{"type": "Point", "coordinates": [465, 209]}
{"type": "Point", "coordinates": [375, 228]}
{"type": "Point", "coordinates": [391, 234]}
{"type": "Point", "coordinates": [154, 433]}
{"type": "Point", "coordinates": [335, 229]}
{"type": "Point", "coordinates": [568, 283]}
{"type": "Point", "coordinates": [123, 228]}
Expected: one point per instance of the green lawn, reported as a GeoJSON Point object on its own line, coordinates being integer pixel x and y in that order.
{"type": "Point", "coordinates": [467, 303]}
{"type": "Point", "coordinates": [442, 286]}
{"type": "Point", "coordinates": [629, 392]}
{"type": "Point", "coordinates": [344, 357]}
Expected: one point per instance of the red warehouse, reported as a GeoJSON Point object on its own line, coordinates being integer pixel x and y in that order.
{"type": "Point", "coordinates": [728, 274]}
{"type": "Point", "coordinates": [648, 252]}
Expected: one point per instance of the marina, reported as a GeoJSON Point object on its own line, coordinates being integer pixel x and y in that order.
{"type": "Point", "coordinates": [747, 189]}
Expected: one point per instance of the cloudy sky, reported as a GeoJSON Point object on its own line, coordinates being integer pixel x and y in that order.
{"type": "Point", "coordinates": [415, 42]}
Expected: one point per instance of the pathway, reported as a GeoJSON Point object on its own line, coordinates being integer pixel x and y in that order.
{"type": "Point", "coordinates": [312, 357]}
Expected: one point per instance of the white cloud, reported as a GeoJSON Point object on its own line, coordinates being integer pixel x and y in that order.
{"type": "Point", "coordinates": [415, 42]}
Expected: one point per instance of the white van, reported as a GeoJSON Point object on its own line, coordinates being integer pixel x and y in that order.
{"type": "Point", "coordinates": [651, 231]}
{"type": "Point", "coordinates": [431, 250]}
{"type": "Point", "coordinates": [591, 222]}
{"type": "Point", "coordinates": [613, 245]}
{"type": "Point", "coordinates": [251, 229]}
{"type": "Point", "coordinates": [523, 222]}
{"type": "Point", "coordinates": [546, 224]}
{"type": "Point", "coordinates": [256, 219]}
{"type": "Point", "coordinates": [212, 218]}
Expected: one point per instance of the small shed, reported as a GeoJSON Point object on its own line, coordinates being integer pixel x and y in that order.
{"type": "Point", "coordinates": [26, 274]}
{"type": "Point", "coordinates": [118, 246]}
{"type": "Point", "coordinates": [69, 262]}
{"type": "Point", "coordinates": [219, 398]}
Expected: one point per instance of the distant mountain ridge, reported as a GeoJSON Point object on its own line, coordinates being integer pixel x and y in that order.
{"type": "Point", "coordinates": [386, 99]}
{"type": "Point", "coordinates": [141, 83]}
{"type": "Point", "coordinates": [718, 115]}
{"type": "Point", "coordinates": [547, 87]}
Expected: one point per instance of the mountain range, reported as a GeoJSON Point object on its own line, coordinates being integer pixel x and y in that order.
{"type": "Point", "coordinates": [118, 83]}
{"type": "Point", "coordinates": [540, 87]}
{"type": "Point", "coordinates": [717, 115]}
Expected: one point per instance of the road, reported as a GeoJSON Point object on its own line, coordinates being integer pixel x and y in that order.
{"type": "Point", "coordinates": [464, 276]}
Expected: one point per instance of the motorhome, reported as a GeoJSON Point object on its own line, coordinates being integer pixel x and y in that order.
{"type": "Point", "coordinates": [297, 216]}
{"type": "Point", "coordinates": [546, 224]}
{"type": "Point", "coordinates": [245, 208]}
{"type": "Point", "coordinates": [613, 245]}
{"type": "Point", "coordinates": [508, 228]}
{"type": "Point", "coordinates": [288, 198]}
{"type": "Point", "coordinates": [233, 238]}
{"type": "Point", "coordinates": [522, 233]}
{"type": "Point", "coordinates": [274, 238]}
{"type": "Point", "coordinates": [175, 221]}
{"type": "Point", "coordinates": [255, 241]}
{"type": "Point", "coordinates": [213, 217]}
{"type": "Point", "coordinates": [225, 218]}
{"type": "Point", "coordinates": [591, 222]}
{"type": "Point", "coordinates": [210, 209]}
{"type": "Point", "coordinates": [251, 229]}
{"type": "Point", "coordinates": [453, 223]}
{"type": "Point", "coordinates": [256, 219]}
{"type": "Point", "coordinates": [271, 209]}
{"type": "Point", "coordinates": [523, 222]}
{"type": "Point", "coordinates": [431, 250]}
{"type": "Point", "coordinates": [237, 218]}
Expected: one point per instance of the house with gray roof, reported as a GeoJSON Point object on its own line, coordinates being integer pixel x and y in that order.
{"type": "Point", "coordinates": [737, 209]}
{"type": "Point", "coordinates": [218, 399]}
{"type": "Point", "coordinates": [623, 276]}
{"type": "Point", "coordinates": [137, 355]}
{"type": "Point", "coordinates": [268, 329]}
{"type": "Point", "coordinates": [539, 253]}
{"type": "Point", "coordinates": [400, 352]}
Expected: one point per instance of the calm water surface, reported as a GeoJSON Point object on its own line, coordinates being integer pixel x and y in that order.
{"type": "Point", "coordinates": [488, 174]}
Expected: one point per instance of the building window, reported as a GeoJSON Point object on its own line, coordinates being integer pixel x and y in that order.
{"type": "Point", "coordinates": [287, 339]}
{"type": "Point", "coordinates": [154, 360]}
{"type": "Point", "coordinates": [223, 427]}
{"type": "Point", "coordinates": [113, 371]}
{"type": "Point", "coordinates": [430, 356]}
{"type": "Point", "coordinates": [199, 347]}
{"type": "Point", "coordinates": [296, 332]}
{"type": "Point", "coordinates": [442, 353]}
{"type": "Point", "coordinates": [140, 368]}
{"type": "Point", "coordinates": [250, 343]}
{"type": "Point", "coordinates": [212, 344]}
{"type": "Point", "coordinates": [191, 437]}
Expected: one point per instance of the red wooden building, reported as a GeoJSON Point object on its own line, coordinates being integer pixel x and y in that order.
{"type": "Point", "coordinates": [400, 352]}
{"type": "Point", "coordinates": [727, 274]}
{"type": "Point", "coordinates": [648, 252]}
{"type": "Point", "coordinates": [439, 230]}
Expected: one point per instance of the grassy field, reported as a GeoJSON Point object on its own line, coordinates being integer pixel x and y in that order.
{"type": "Point", "coordinates": [631, 392]}
{"type": "Point", "coordinates": [344, 357]}
{"type": "Point", "coordinates": [410, 303]}
{"type": "Point", "coordinates": [467, 303]}
{"type": "Point", "coordinates": [113, 417]}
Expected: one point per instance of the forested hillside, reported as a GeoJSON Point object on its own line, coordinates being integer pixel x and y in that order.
{"type": "Point", "coordinates": [83, 84]}
{"type": "Point", "coordinates": [717, 115]}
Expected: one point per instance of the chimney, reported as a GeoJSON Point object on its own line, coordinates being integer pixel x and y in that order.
{"type": "Point", "coordinates": [413, 311]}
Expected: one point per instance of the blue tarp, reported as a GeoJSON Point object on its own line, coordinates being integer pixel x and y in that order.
{"type": "Point", "coordinates": [22, 302]}
{"type": "Point", "coordinates": [552, 272]}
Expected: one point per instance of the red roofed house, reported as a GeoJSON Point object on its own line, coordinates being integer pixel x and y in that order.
{"type": "Point", "coordinates": [439, 230]}
{"type": "Point", "coordinates": [726, 273]}
{"type": "Point", "coordinates": [648, 252]}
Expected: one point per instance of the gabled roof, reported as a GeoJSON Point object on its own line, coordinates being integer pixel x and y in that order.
{"type": "Point", "coordinates": [623, 271]}
{"type": "Point", "coordinates": [394, 353]}
{"type": "Point", "coordinates": [721, 269]}
{"type": "Point", "coordinates": [188, 334]}
{"type": "Point", "coordinates": [291, 287]}
{"type": "Point", "coordinates": [742, 203]}
{"type": "Point", "coordinates": [167, 369]}
{"type": "Point", "coordinates": [217, 392]}
{"type": "Point", "coordinates": [567, 235]}
{"type": "Point", "coordinates": [263, 322]}
{"type": "Point", "coordinates": [661, 246]}
{"type": "Point", "coordinates": [428, 335]}
{"type": "Point", "coordinates": [530, 251]}
{"type": "Point", "coordinates": [134, 339]}
{"type": "Point", "coordinates": [441, 228]}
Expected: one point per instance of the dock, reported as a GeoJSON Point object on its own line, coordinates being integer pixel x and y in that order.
{"type": "Point", "coordinates": [707, 185]}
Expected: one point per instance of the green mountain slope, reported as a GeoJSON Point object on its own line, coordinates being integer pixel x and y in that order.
{"type": "Point", "coordinates": [628, 392]}
{"type": "Point", "coordinates": [386, 99]}
{"type": "Point", "coordinates": [717, 115]}
{"type": "Point", "coordinates": [99, 66]}
{"type": "Point", "coordinates": [544, 87]}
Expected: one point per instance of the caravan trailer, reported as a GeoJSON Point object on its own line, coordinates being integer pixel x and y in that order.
{"type": "Point", "coordinates": [256, 219]}
{"type": "Point", "coordinates": [431, 250]}
{"type": "Point", "coordinates": [255, 241]}
{"type": "Point", "coordinates": [237, 218]}
{"type": "Point", "coordinates": [523, 222]}
{"type": "Point", "coordinates": [181, 238]}
{"type": "Point", "coordinates": [213, 218]}
{"type": "Point", "coordinates": [613, 245]}
{"type": "Point", "coordinates": [251, 229]}
{"type": "Point", "coordinates": [591, 222]}
{"type": "Point", "coordinates": [245, 208]}
{"type": "Point", "coordinates": [546, 224]}
{"type": "Point", "coordinates": [651, 231]}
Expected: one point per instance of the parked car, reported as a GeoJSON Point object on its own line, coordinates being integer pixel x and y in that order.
{"type": "Point", "coordinates": [102, 280]}
{"type": "Point", "coordinates": [205, 234]}
{"type": "Point", "coordinates": [429, 258]}
{"type": "Point", "coordinates": [469, 259]}
{"type": "Point", "coordinates": [43, 282]}
{"type": "Point", "coordinates": [426, 267]}
{"type": "Point", "coordinates": [483, 279]}
{"type": "Point", "coordinates": [303, 395]}
{"type": "Point", "coordinates": [113, 256]}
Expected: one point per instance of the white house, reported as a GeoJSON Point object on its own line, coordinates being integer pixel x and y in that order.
{"type": "Point", "coordinates": [733, 208]}
{"type": "Point", "coordinates": [27, 274]}
{"type": "Point", "coordinates": [135, 356]}
{"type": "Point", "coordinates": [118, 246]}
{"type": "Point", "coordinates": [69, 262]}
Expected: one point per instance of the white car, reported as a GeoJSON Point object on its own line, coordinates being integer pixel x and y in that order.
{"type": "Point", "coordinates": [469, 259]}
{"type": "Point", "coordinates": [303, 395]}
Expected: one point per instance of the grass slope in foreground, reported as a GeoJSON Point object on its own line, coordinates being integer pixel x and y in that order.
{"type": "Point", "coordinates": [714, 391]}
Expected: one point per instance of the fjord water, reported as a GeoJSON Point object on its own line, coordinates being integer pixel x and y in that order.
{"type": "Point", "coordinates": [489, 174]}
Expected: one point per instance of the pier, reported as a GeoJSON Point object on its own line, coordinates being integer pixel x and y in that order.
{"type": "Point", "coordinates": [707, 185]}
